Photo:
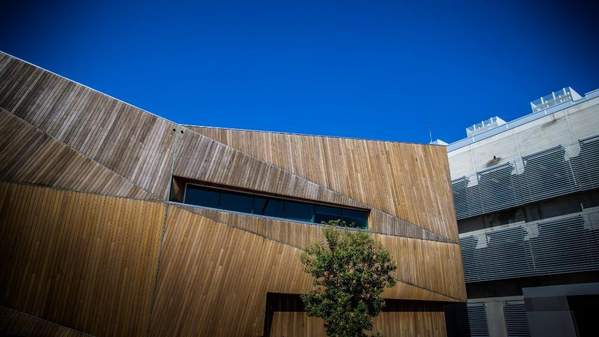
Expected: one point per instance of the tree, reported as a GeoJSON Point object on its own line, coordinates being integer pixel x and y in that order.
{"type": "Point", "coordinates": [350, 273]}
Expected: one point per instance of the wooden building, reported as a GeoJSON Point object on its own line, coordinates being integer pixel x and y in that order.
{"type": "Point", "coordinates": [117, 222]}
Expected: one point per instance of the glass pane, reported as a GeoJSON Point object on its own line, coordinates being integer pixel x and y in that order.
{"type": "Point", "coordinates": [259, 205]}
{"type": "Point", "coordinates": [271, 206]}
{"type": "Point", "coordinates": [326, 214]}
{"type": "Point", "coordinates": [299, 211]}
{"type": "Point", "coordinates": [196, 195]}
{"type": "Point", "coordinates": [355, 218]}
{"type": "Point", "coordinates": [274, 207]}
{"type": "Point", "coordinates": [236, 202]}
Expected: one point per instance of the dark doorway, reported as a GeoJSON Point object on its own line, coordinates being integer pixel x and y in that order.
{"type": "Point", "coordinates": [585, 311]}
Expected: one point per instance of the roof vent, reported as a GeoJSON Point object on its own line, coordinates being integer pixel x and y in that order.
{"type": "Point", "coordinates": [483, 126]}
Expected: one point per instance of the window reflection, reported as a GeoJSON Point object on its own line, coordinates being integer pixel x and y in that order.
{"type": "Point", "coordinates": [272, 206]}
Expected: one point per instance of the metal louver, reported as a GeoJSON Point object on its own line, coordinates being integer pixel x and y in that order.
{"type": "Point", "coordinates": [516, 319]}
{"type": "Point", "coordinates": [557, 245]}
{"type": "Point", "coordinates": [546, 174]}
{"type": "Point", "coordinates": [477, 317]}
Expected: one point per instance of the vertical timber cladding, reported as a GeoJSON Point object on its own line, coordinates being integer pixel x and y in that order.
{"type": "Point", "coordinates": [410, 181]}
{"type": "Point", "coordinates": [48, 162]}
{"type": "Point", "coordinates": [208, 270]}
{"type": "Point", "coordinates": [389, 324]}
{"type": "Point", "coordinates": [212, 274]}
{"type": "Point", "coordinates": [97, 264]}
{"type": "Point", "coordinates": [202, 158]}
{"type": "Point", "coordinates": [213, 278]}
{"type": "Point", "coordinates": [421, 276]}
{"type": "Point", "coordinates": [124, 139]}
{"type": "Point", "coordinates": [16, 323]}
{"type": "Point", "coordinates": [87, 262]}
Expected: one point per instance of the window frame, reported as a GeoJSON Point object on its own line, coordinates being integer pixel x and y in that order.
{"type": "Point", "coordinates": [268, 197]}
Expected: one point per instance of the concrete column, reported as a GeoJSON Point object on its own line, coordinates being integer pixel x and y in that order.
{"type": "Point", "coordinates": [496, 319]}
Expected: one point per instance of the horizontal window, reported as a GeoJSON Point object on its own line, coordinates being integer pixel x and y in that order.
{"type": "Point", "coordinates": [272, 206]}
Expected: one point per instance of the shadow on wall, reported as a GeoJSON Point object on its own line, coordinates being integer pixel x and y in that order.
{"type": "Point", "coordinates": [456, 317]}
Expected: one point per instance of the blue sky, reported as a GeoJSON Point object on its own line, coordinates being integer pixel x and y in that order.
{"type": "Point", "coordinates": [386, 70]}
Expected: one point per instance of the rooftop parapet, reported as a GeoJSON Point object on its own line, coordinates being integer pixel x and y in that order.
{"type": "Point", "coordinates": [565, 98]}
{"type": "Point", "coordinates": [483, 126]}
{"type": "Point", "coordinates": [554, 98]}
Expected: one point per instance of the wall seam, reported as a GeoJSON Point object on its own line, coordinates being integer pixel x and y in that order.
{"type": "Point", "coordinates": [154, 292]}
{"type": "Point", "coordinates": [46, 320]}
{"type": "Point", "coordinates": [150, 194]}
{"type": "Point", "coordinates": [301, 249]}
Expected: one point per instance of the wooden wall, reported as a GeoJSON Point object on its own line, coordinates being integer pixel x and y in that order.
{"type": "Point", "coordinates": [202, 158]}
{"type": "Point", "coordinates": [93, 263]}
{"type": "Point", "coordinates": [88, 241]}
{"type": "Point", "coordinates": [136, 153]}
{"type": "Point", "coordinates": [389, 324]}
{"type": "Point", "coordinates": [229, 271]}
{"type": "Point", "coordinates": [30, 156]}
{"type": "Point", "coordinates": [129, 141]}
{"type": "Point", "coordinates": [84, 261]}
{"type": "Point", "coordinates": [296, 324]}
{"type": "Point", "coordinates": [15, 323]}
{"type": "Point", "coordinates": [227, 274]}
{"type": "Point", "coordinates": [432, 269]}
{"type": "Point", "coordinates": [410, 181]}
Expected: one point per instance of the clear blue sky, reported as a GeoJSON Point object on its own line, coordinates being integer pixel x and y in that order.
{"type": "Point", "coordinates": [379, 70]}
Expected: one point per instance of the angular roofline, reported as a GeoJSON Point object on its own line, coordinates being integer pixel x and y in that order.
{"type": "Point", "coordinates": [88, 87]}
{"type": "Point", "coordinates": [308, 135]}
{"type": "Point", "coordinates": [203, 126]}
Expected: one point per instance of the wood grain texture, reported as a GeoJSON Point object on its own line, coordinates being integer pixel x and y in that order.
{"type": "Point", "coordinates": [389, 324]}
{"type": "Point", "coordinates": [204, 159]}
{"type": "Point", "coordinates": [123, 138]}
{"type": "Point", "coordinates": [229, 271]}
{"type": "Point", "coordinates": [427, 265]}
{"type": "Point", "coordinates": [16, 323]}
{"type": "Point", "coordinates": [296, 324]}
{"type": "Point", "coordinates": [139, 147]}
{"type": "Point", "coordinates": [83, 261]}
{"type": "Point", "coordinates": [118, 260]}
{"type": "Point", "coordinates": [208, 270]}
{"type": "Point", "coordinates": [227, 274]}
{"type": "Point", "coordinates": [31, 156]}
{"type": "Point", "coordinates": [410, 181]}
{"type": "Point", "coordinates": [64, 259]}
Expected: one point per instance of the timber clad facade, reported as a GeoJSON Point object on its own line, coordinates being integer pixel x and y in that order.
{"type": "Point", "coordinates": [95, 237]}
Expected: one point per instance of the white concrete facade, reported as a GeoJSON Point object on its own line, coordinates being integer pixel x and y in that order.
{"type": "Point", "coordinates": [577, 121]}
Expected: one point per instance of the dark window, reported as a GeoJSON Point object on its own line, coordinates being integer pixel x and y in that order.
{"type": "Point", "coordinates": [236, 202]}
{"type": "Point", "coordinates": [202, 196]}
{"type": "Point", "coordinates": [326, 213]}
{"type": "Point", "coordinates": [272, 206]}
{"type": "Point", "coordinates": [300, 211]}
{"type": "Point", "coordinates": [260, 205]}
{"type": "Point", "coordinates": [353, 217]}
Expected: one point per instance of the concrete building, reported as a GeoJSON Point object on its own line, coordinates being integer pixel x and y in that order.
{"type": "Point", "coordinates": [526, 195]}
{"type": "Point", "coordinates": [118, 222]}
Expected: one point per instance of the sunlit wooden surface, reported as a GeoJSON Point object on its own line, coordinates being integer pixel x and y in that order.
{"type": "Point", "coordinates": [90, 245]}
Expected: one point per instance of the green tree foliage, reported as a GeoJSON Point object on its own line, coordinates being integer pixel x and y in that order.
{"type": "Point", "coordinates": [350, 273]}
